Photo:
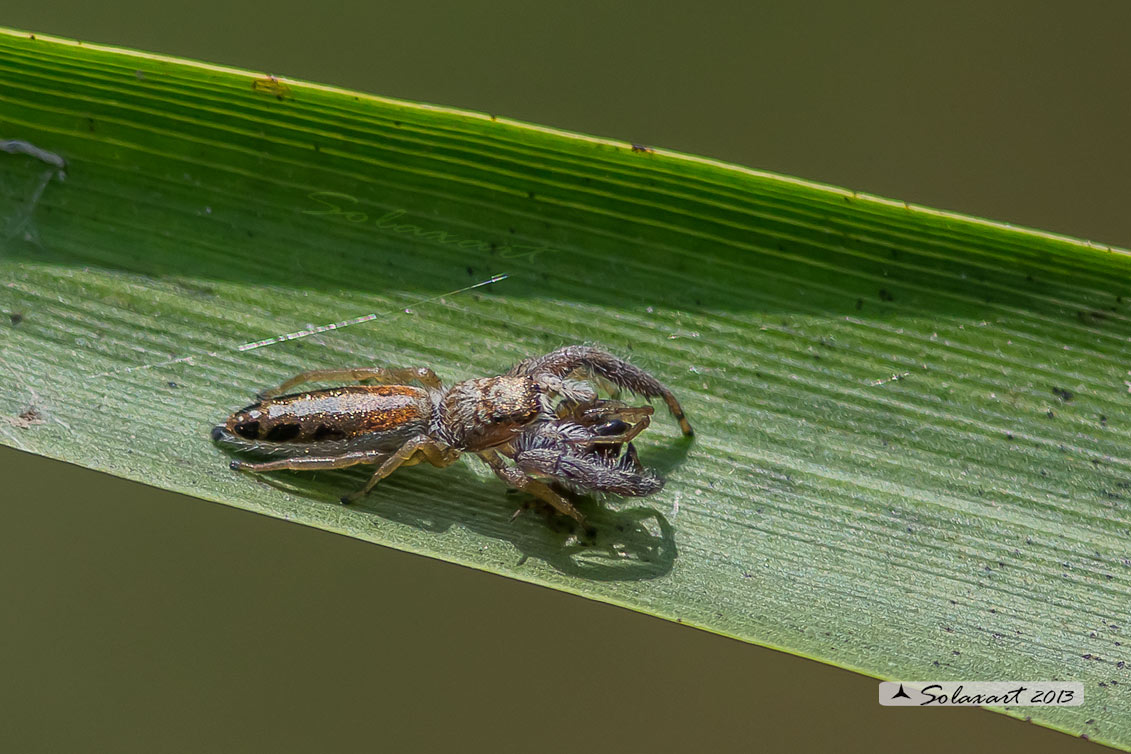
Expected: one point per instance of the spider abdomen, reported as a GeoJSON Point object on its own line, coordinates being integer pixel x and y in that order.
{"type": "Point", "coordinates": [360, 416]}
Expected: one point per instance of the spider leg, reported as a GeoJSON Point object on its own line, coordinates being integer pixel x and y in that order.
{"type": "Point", "coordinates": [382, 375]}
{"type": "Point", "coordinates": [518, 479]}
{"type": "Point", "coordinates": [302, 463]}
{"type": "Point", "coordinates": [587, 470]}
{"type": "Point", "coordinates": [561, 363]}
{"type": "Point", "coordinates": [431, 451]}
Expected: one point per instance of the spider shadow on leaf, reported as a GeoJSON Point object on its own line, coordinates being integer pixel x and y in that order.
{"type": "Point", "coordinates": [620, 544]}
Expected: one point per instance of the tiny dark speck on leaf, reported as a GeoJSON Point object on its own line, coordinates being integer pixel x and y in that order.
{"type": "Point", "coordinates": [28, 418]}
{"type": "Point", "coordinates": [16, 317]}
{"type": "Point", "coordinates": [1064, 395]}
{"type": "Point", "coordinates": [470, 271]}
{"type": "Point", "coordinates": [885, 295]}
{"type": "Point", "coordinates": [172, 384]}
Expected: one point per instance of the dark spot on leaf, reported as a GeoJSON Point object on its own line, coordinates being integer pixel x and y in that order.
{"type": "Point", "coordinates": [885, 295]}
{"type": "Point", "coordinates": [1064, 395]}
{"type": "Point", "coordinates": [16, 317]}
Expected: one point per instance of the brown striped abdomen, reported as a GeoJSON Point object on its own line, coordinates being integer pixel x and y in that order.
{"type": "Point", "coordinates": [336, 414]}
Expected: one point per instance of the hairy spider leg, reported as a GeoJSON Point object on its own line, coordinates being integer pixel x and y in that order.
{"type": "Point", "coordinates": [589, 471]}
{"type": "Point", "coordinates": [562, 362]}
{"type": "Point", "coordinates": [382, 375]}
{"type": "Point", "coordinates": [518, 479]}
{"type": "Point", "coordinates": [436, 454]}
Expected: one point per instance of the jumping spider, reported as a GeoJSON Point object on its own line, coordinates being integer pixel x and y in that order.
{"type": "Point", "coordinates": [543, 414]}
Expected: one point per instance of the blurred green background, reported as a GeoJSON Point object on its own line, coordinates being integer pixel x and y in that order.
{"type": "Point", "coordinates": [139, 620]}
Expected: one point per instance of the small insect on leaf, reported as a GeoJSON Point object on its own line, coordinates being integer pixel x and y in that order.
{"type": "Point", "coordinates": [273, 86]}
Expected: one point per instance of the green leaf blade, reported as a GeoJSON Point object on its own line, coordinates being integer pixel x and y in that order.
{"type": "Point", "coordinates": [914, 433]}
